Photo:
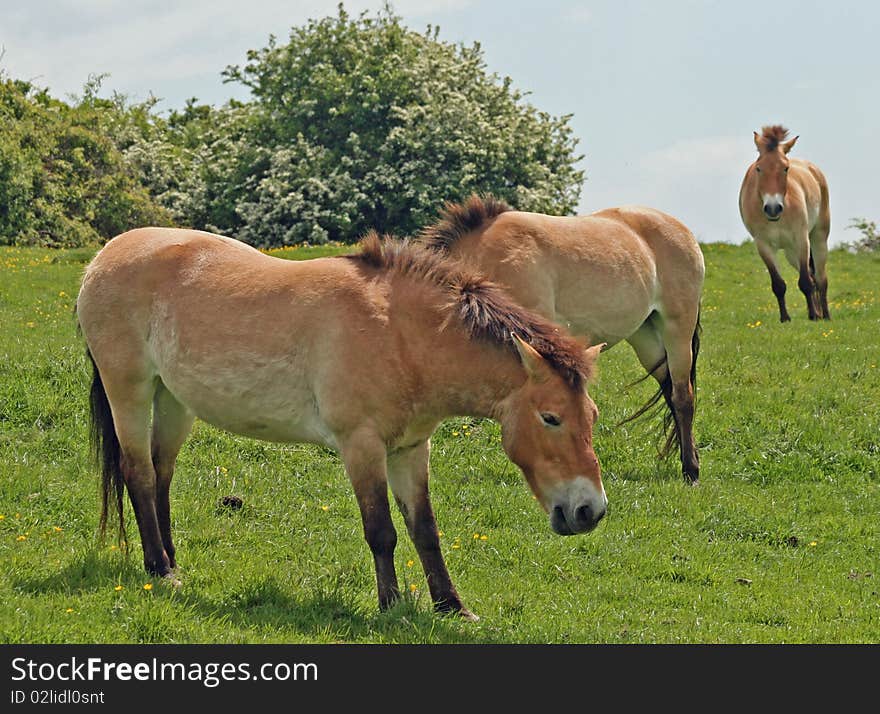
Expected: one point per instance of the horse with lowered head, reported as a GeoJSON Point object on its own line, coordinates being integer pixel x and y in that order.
{"type": "Point", "coordinates": [629, 273]}
{"type": "Point", "coordinates": [365, 354]}
{"type": "Point", "coordinates": [784, 205]}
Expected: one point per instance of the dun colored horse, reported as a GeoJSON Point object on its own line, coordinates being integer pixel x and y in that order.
{"type": "Point", "coordinates": [628, 273]}
{"type": "Point", "coordinates": [784, 205]}
{"type": "Point", "coordinates": [365, 354]}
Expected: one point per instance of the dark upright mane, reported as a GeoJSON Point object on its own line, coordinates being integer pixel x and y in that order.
{"type": "Point", "coordinates": [485, 310]}
{"type": "Point", "coordinates": [773, 136]}
{"type": "Point", "coordinates": [459, 219]}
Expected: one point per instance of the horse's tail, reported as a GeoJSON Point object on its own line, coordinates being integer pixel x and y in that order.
{"type": "Point", "coordinates": [669, 434]}
{"type": "Point", "coordinates": [106, 451]}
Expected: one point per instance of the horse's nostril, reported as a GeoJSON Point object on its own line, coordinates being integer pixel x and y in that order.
{"type": "Point", "coordinates": [583, 517]}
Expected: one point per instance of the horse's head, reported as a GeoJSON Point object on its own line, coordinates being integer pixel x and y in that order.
{"type": "Point", "coordinates": [547, 430]}
{"type": "Point", "coordinates": [772, 169]}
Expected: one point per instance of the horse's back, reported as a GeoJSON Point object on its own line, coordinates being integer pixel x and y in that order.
{"type": "Point", "coordinates": [601, 273]}
{"type": "Point", "coordinates": [667, 237]}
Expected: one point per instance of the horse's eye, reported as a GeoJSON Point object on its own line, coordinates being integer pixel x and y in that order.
{"type": "Point", "coordinates": [550, 419]}
{"type": "Point", "coordinates": [786, 169]}
{"type": "Point", "coordinates": [758, 169]}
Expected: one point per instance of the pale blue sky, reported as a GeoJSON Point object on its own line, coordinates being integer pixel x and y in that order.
{"type": "Point", "coordinates": [665, 95]}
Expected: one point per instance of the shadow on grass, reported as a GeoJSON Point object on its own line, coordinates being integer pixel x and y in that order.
{"type": "Point", "coordinates": [263, 609]}
{"type": "Point", "coordinates": [92, 572]}
{"type": "Point", "coordinates": [329, 614]}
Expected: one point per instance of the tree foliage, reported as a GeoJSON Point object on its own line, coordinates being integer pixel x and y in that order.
{"type": "Point", "coordinates": [362, 123]}
{"type": "Point", "coordinates": [63, 181]}
{"type": "Point", "coordinates": [354, 123]}
{"type": "Point", "coordinates": [870, 240]}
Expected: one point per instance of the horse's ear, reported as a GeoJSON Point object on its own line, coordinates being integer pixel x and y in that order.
{"type": "Point", "coordinates": [787, 145]}
{"type": "Point", "coordinates": [593, 352]}
{"type": "Point", "coordinates": [535, 365]}
{"type": "Point", "coordinates": [592, 356]}
{"type": "Point", "coordinates": [759, 141]}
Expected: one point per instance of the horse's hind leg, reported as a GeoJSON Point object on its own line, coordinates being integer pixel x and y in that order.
{"type": "Point", "coordinates": [171, 425]}
{"type": "Point", "coordinates": [408, 476]}
{"type": "Point", "coordinates": [131, 402]}
{"type": "Point", "coordinates": [819, 255]}
{"type": "Point", "coordinates": [649, 348]}
{"type": "Point", "coordinates": [680, 337]}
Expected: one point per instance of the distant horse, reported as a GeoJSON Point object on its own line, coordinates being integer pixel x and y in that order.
{"type": "Point", "coordinates": [784, 205]}
{"type": "Point", "coordinates": [365, 354]}
{"type": "Point", "coordinates": [629, 273]}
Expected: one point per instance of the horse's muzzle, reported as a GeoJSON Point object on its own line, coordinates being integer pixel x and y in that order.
{"type": "Point", "coordinates": [773, 211]}
{"type": "Point", "coordinates": [582, 519]}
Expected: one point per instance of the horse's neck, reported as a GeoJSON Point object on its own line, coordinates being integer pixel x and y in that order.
{"type": "Point", "coordinates": [472, 379]}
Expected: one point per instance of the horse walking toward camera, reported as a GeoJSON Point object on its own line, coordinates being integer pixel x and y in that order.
{"type": "Point", "coordinates": [784, 205]}
{"type": "Point", "coordinates": [365, 354]}
{"type": "Point", "coordinates": [629, 273]}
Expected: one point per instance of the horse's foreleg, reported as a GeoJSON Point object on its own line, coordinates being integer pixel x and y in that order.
{"type": "Point", "coordinates": [777, 284]}
{"type": "Point", "coordinates": [171, 425]}
{"type": "Point", "coordinates": [365, 457]}
{"type": "Point", "coordinates": [408, 476]}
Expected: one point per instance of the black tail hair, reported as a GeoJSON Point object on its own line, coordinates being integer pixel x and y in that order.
{"type": "Point", "coordinates": [669, 431]}
{"type": "Point", "coordinates": [107, 454]}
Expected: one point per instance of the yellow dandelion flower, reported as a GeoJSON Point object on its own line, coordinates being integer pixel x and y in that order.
{"type": "Point", "coordinates": [484, 537]}
{"type": "Point", "coordinates": [813, 543]}
{"type": "Point", "coordinates": [325, 508]}
{"type": "Point", "coordinates": [57, 529]}
{"type": "Point", "coordinates": [21, 538]}
{"type": "Point", "coordinates": [224, 470]}
{"type": "Point", "coordinates": [455, 546]}
{"type": "Point", "coordinates": [30, 324]}
{"type": "Point", "coordinates": [476, 536]}
{"type": "Point", "coordinates": [2, 516]}
{"type": "Point", "coordinates": [62, 294]}
{"type": "Point", "coordinates": [455, 433]}
{"type": "Point", "coordinates": [118, 588]}
{"type": "Point", "coordinates": [148, 586]}
{"type": "Point", "coordinates": [439, 533]}
{"type": "Point", "coordinates": [410, 563]}
{"type": "Point", "coordinates": [412, 587]}
{"type": "Point", "coordinates": [112, 547]}
{"type": "Point", "coordinates": [70, 609]}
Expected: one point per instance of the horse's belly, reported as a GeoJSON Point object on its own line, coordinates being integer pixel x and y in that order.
{"type": "Point", "coordinates": [261, 403]}
{"type": "Point", "coordinates": [608, 317]}
{"type": "Point", "coordinates": [294, 426]}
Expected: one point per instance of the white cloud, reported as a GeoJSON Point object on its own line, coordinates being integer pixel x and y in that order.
{"type": "Point", "coordinates": [708, 156]}
{"type": "Point", "coordinates": [579, 14]}
{"type": "Point", "coordinates": [149, 46]}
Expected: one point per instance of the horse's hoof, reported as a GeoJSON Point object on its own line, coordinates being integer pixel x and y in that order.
{"type": "Point", "coordinates": [466, 614]}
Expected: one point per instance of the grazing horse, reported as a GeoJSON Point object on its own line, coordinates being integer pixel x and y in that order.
{"type": "Point", "coordinates": [629, 273]}
{"type": "Point", "coordinates": [784, 205]}
{"type": "Point", "coordinates": [364, 354]}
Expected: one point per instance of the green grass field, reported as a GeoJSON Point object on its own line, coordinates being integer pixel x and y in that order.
{"type": "Point", "coordinates": [779, 543]}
